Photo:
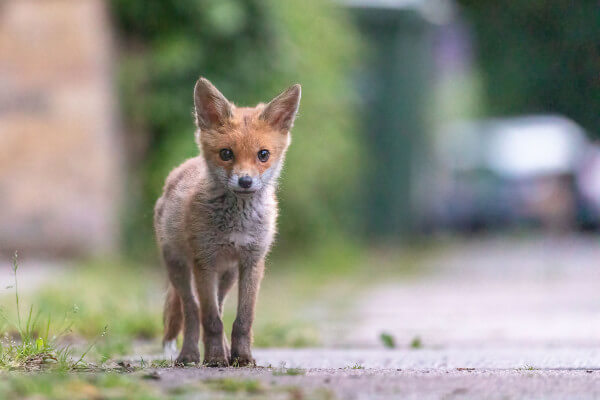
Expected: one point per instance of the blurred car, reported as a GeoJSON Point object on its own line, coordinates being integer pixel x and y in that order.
{"type": "Point", "coordinates": [525, 171]}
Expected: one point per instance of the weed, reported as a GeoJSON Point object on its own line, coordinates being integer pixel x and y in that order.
{"type": "Point", "coordinates": [61, 385]}
{"type": "Point", "coordinates": [295, 371]}
{"type": "Point", "coordinates": [387, 340]}
{"type": "Point", "coordinates": [235, 385]}
{"type": "Point", "coordinates": [282, 370]}
{"type": "Point", "coordinates": [528, 367]}
{"type": "Point", "coordinates": [35, 347]}
{"type": "Point", "coordinates": [416, 343]}
{"type": "Point", "coordinates": [161, 363]}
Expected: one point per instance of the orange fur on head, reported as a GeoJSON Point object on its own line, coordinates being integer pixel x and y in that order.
{"type": "Point", "coordinates": [244, 130]}
{"type": "Point", "coordinates": [245, 133]}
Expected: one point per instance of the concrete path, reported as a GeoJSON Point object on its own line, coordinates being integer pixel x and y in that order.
{"type": "Point", "coordinates": [469, 373]}
{"type": "Point", "coordinates": [503, 292]}
{"type": "Point", "coordinates": [496, 319]}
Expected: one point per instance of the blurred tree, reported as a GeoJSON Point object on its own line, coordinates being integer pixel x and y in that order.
{"type": "Point", "coordinates": [251, 50]}
{"type": "Point", "coordinates": [540, 56]}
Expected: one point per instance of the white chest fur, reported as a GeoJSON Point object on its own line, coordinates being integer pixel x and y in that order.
{"type": "Point", "coordinates": [241, 239]}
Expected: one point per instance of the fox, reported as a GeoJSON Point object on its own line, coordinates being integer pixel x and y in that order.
{"type": "Point", "coordinates": [216, 221]}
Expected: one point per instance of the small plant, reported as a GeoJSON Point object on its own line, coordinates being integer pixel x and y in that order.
{"type": "Point", "coordinates": [34, 347]}
{"type": "Point", "coordinates": [161, 363]}
{"type": "Point", "coordinates": [416, 343]}
{"type": "Point", "coordinates": [387, 340]}
{"type": "Point", "coordinates": [235, 386]}
{"type": "Point", "coordinates": [357, 366]}
{"type": "Point", "coordinates": [282, 370]}
{"type": "Point", "coordinates": [59, 385]}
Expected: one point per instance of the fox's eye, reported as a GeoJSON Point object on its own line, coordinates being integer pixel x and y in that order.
{"type": "Point", "coordinates": [226, 154]}
{"type": "Point", "coordinates": [263, 155]}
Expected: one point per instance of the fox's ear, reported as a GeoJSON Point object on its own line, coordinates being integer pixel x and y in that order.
{"type": "Point", "coordinates": [211, 107]}
{"type": "Point", "coordinates": [281, 111]}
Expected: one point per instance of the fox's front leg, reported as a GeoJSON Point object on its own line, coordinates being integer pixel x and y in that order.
{"type": "Point", "coordinates": [207, 283]}
{"type": "Point", "coordinates": [250, 276]}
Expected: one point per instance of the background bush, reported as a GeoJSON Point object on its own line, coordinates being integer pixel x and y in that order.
{"type": "Point", "coordinates": [251, 50]}
{"type": "Point", "coordinates": [539, 56]}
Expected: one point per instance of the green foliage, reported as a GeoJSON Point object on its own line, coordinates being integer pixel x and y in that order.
{"type": "Point", "coordinates": [36, 344]}
{"type": "Point", "coordinates": [131, 311]}
{"type": "Point", "coordinates": [387, 340]}
{"type": "Point", "coordinates": [236, 385]}
{"type": "Point", "coordinates": [58, 386]}
{"type": "Point", "coordinates": [539, 56]}
{"type": "Point", "coordinates": [416, 343]}
{"type": "Point", "coordinates": [130, 316]}
{"type": "Point", "coordinates": [282, 371]}
{"type": "Point", "coordinates": [251, 50]}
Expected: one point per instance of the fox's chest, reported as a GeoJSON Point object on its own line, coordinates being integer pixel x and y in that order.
{"type": "Point", "coordinates": [242, 223]}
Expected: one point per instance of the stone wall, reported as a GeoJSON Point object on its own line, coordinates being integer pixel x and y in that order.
{"type": "Point", "coordinates": [60, 158]}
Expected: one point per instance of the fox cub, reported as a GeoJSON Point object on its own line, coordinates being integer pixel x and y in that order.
{"type": "Point", "coordinates": [215, 221]}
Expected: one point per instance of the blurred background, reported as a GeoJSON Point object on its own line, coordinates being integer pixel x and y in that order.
{"type": "Point", "coordinates": [425, 125]}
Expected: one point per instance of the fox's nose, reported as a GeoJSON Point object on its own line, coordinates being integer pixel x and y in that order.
{"type": "Point", "coordinates": [245, 182]}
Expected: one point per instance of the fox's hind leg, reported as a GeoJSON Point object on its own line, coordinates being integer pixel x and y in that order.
{"type": "Point", "coordinates": [207, 282]}
{"type": "Point", "coordinates": [181, 278]}
{"type": "Point", "coordinates": [173, 322]}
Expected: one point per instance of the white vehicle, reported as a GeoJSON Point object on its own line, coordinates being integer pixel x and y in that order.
{"type": "Point", "coordinates": [513, 171]}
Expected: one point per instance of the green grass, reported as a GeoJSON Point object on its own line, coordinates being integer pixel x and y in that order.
{"type": "Point", "coordinates": [387, 340]}
{"type": "Point", "coordinates": [528, 367]}
{"type": "Point", "coordinates": [88, 317]}
{"type": "Point", "coordinates": [34, 344]}
{"type": "Point", "coordinates": [416, 343]}
{"type": "Point", "coordinates": [282, 371]}
{"type": "Point", "coordinates": [111, 303]}
{"type": "Point", "coordinates": [117, 386]}
{"type": "Point", "coordinates": [236, 385]}
{"type": "Point", "coordinates": [58, 386]}
{"type": "Point", "coordinates": [117, 304]}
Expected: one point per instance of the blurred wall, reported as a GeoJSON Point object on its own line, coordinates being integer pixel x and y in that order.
{"type": "Point", "coordinates": [60, 169]}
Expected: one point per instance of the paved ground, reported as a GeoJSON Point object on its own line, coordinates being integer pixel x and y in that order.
{"type": "Point", "coordinates": [435, 383]}
{"type": "Point", "coordinates": [497, 319]}
{"type": "Point", "coordinates": [504, 292]}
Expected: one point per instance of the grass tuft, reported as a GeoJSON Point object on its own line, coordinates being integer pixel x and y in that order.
{"type": "Point", "coordinates": [416, 343]}
{"type": "Point", "coordinates": [357, 366]}
{"type": "Point", "coordinates": [282, 370]}
{"type": "Point", "coordinates": [387, 340]}
{"type": "Point", "coordinates": [236, 385]}
{"type": "Point", "coordinates": [34, 345]}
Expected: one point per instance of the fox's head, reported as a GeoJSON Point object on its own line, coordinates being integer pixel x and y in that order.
{"type": "Point", "coordinates": [244, 147]}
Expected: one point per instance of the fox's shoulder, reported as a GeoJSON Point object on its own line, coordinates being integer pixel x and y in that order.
{"type": "Point", "coordinates": [181, 184]}
{"type": "Point", "coordinates": [185, 176]}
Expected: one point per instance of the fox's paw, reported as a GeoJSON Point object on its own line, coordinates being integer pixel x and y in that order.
{"type": "Point", "coordinates": [170, 349]}
{"type": "Point", "coordinates": [188, 357]}
{"type": "Point", "coordinates": [216, 362]}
